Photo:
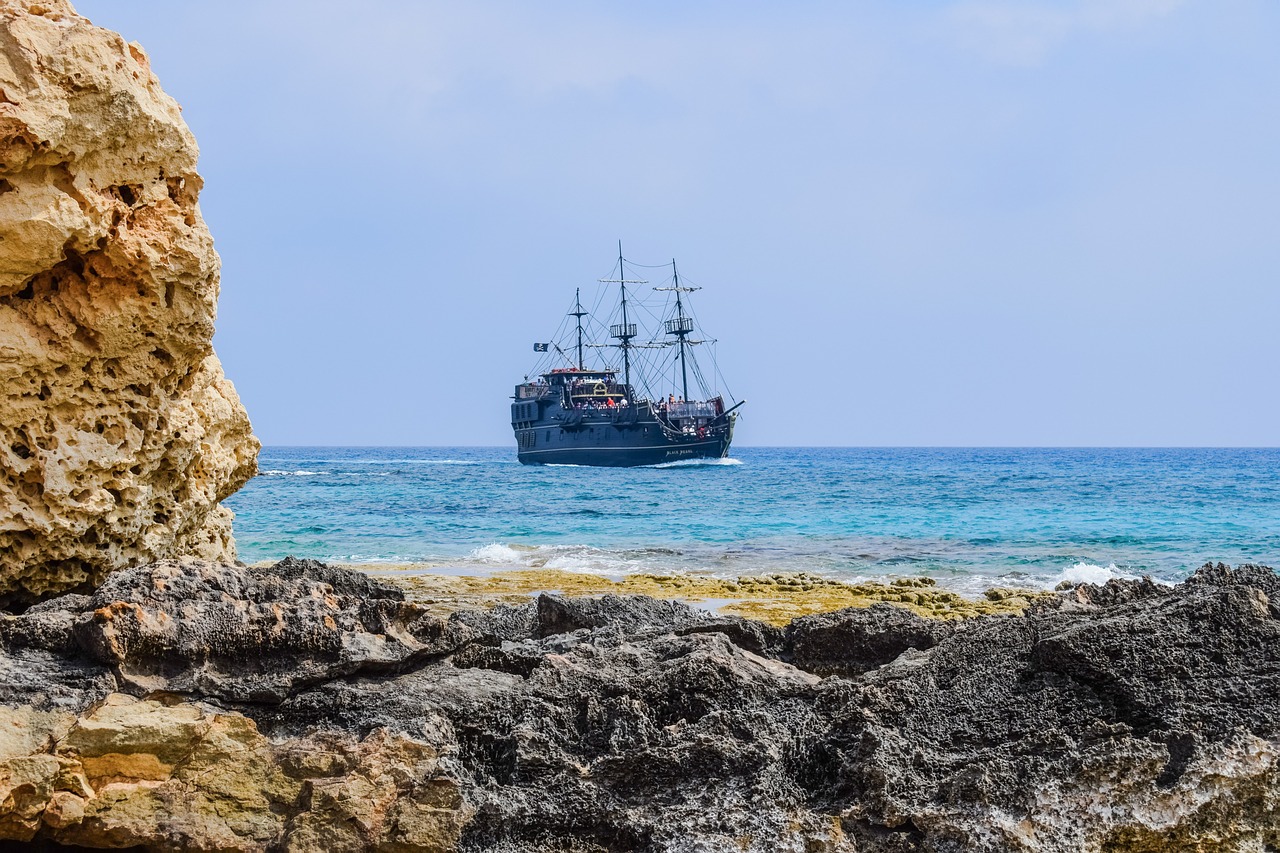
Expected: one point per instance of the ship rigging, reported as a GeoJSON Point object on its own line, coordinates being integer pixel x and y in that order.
{"type": "Point", "coordinates": [576, 411]}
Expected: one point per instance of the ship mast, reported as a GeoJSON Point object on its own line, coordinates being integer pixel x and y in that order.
{"type": "Point", "coordinates": [578, 313]}
{"type": "Point", "coordinates": [622, 334]}
{"type": "Point", "coordinates": [626, 330]}
{"type": "Point", "coordinates": [681, 331]}
{"type": "Point", "coordinates": [680, 326]}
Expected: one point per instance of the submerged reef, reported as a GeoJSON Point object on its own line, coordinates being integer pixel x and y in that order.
{"type": "Point", "coordinates": [119, 433]}
{"type": "Point", "coordinates": [775, 598]}
{"type": "Point", "coordinates": [204, 706]}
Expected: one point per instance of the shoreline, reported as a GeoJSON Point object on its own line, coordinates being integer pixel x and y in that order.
{"type": "Point", "coordinates": [776, 598]}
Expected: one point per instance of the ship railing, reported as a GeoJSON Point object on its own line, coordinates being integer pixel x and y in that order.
{"type": "Point", "coordinates": [596, 391]}
{"type": "Point", "coordinates": [599, 404]}
{"type": "Point", "coordinates": [684, 411]}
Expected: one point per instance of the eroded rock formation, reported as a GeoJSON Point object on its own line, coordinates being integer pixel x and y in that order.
{"type": "Point", "coordinates": [119, 434]}
{"type": "Point", "coordinates": [1130, 717]}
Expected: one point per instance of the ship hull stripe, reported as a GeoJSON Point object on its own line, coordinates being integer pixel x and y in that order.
{"type": "Point", "coordinates": [626, 457]}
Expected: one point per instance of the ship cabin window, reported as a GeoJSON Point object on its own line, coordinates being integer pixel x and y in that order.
{"type": "Point", "coordinates": [548, 435]}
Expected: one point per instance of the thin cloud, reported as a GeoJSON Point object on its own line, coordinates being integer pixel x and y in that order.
{"type": "Point", "coordinates": [1022, 33]}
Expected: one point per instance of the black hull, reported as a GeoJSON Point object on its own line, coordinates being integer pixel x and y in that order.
{"type": "Point", "coordinates": [612, 434]}
{"type": "Point", "coordinates": [623, 454]}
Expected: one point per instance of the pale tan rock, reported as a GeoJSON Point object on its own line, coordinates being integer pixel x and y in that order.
{"type": "Point", "coordinates": [392, 800]}
{"type": "Point", "coordinates": [183, 776]}
{"type": "Point", "coordinates": [27, 731]}
{"type": "Point", "coordinates": [119, 434]}
{"type": "Point", "coordinates": [64, 809]}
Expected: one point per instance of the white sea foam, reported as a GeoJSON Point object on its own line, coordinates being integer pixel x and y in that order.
{"type": "Point", "coordinates": [569, 558]}
{"type": "Point", "coordinates": [579, 558]}
{"type": "Point", "coordinates": [290, 473]}
{"type": "Point", "coordinates": [1090, 573]}
{"type": "Point", "coordinates": [621, 561]}
{"type": "Point", "coordinates": [497, 554]}
{"type": "Point", "coordinates": [697, 463]}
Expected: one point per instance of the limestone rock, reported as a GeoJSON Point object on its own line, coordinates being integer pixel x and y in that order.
{"type": "Point", "coordinates": [119, 434]}
{"type": "Point", "coordinates": [184, 776]}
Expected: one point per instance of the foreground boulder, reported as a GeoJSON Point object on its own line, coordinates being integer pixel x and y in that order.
{"type": "Point", "coordinates": [119, 434]}
{"type": "Point", "coordinates": [1126, 717]}
{"type": "Point", "coordinates": [239, 634]}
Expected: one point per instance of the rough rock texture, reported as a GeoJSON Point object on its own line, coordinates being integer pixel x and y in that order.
{"type": "Point", "coordinates": [119, 433]}
{"type": "Point", "coordinates": [1126, 717]}
{"type": "Point", "coordinates": [254, 635]}
{"type": "Point", "coordinates": [183, 776]}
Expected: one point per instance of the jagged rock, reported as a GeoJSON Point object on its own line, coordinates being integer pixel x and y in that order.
{"type": "Point", "coordinates": [1126, 717]}
{"type": "Point", "coordinates": [625, 613]}
{"type": "Point", "coordinates": [251, 635]}
{"type": "Point", "coordinates": [119, 434]}
{"type": "Point", "coordinates": [851, 642]}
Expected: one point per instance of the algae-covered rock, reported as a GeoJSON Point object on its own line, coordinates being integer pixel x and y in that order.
{"type": "Point", "coordinates": [776, 599]}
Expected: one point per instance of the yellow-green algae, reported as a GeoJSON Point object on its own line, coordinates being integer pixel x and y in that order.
{"type": "Point", "coordinates": [775, 598]}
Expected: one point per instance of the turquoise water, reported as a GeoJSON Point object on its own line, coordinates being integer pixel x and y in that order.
{"type": "Point", "coordinates": [968, 517]}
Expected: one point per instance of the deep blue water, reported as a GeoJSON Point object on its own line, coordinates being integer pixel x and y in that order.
{"type": "Point", "coordinates": [969, 517]}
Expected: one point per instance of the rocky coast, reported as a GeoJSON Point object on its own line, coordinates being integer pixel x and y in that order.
{"type": "Point", "coordinates": [157, 695]}
{"type": "Point", "coordinates": [202, 706]}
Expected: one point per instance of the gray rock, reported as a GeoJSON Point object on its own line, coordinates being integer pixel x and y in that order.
{"type": "Point", "coordinates": [235, 633]}
{"type": "Point", "coordinates": [49, 682]}
{"type": "Point", "coordinates": [1128, 716]}
{"type": "Point", "coordinates": [629, 614]}
{"type": "Point", "coordinates": [857, 640]}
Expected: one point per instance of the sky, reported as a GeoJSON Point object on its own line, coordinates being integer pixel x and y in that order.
{"type": "Point", "coordinates": [978, 222]}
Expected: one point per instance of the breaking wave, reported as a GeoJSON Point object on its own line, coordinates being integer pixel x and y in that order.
{"type": "Point", "coordinates": [1083, 572]}
{"type": "Point", "coordinates": [577, 558]}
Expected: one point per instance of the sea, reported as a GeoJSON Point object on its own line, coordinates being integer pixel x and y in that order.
{"type": "Point", "coordinates": [971, 518]}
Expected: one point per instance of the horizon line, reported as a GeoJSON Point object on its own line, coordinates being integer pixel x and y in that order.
{"type": "Point", "coordinates": [832, 446]}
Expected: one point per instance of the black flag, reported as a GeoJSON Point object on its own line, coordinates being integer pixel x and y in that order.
{"type": "Point", "coordinates": [540, 347]}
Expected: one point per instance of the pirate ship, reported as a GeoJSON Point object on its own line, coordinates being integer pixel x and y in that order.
{"type": "Point", "coordinates": [658, 405]}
